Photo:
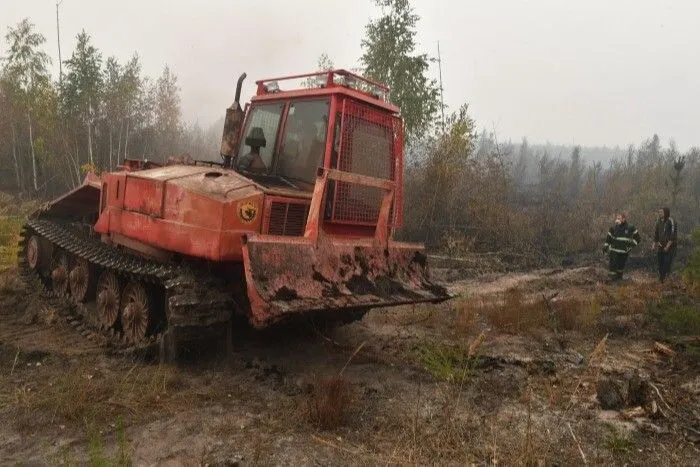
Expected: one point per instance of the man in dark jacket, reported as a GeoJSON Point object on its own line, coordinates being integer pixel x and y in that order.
{"type": "Point", "coordinates": [622, 237]}
{"type": "Point", "coordinates": [665, 238]}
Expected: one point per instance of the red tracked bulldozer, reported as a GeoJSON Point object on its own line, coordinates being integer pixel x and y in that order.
{"type": "Point", "coordinates": [297, 218]}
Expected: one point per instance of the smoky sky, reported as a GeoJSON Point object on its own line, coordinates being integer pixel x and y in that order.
{"type": "Point", "coordinates": [600, 72]}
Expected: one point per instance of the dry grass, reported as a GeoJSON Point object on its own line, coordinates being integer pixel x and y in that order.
{"type": "Point", "coordinates": [467, 313]}
{"type": "Point", "coordinates": [630, 299]}
{"type": "Point", "coordinates": [10, 226]}
{"type": "Point", "coordinates": [10, 282]}
{"type": "Point", "coordinates": [83, 394]}
{"type": "Point", "coordinates": [330, 401]}
{"type": "Point", "coordinates": [517, 313]}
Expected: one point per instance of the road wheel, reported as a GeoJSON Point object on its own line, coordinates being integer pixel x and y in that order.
{"type": "Point", "coordinates": [108, 299]}
{"type": "Point", "coordinates": [136, 311]}
{"type": "Point", "coordinates": [81, 281]}
{"type": "Point", "coordinates": [59, 273]}
{"type": "Point", "coordinates": [34, 253]}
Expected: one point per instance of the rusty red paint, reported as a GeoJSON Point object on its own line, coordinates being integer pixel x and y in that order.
{"type": "Point", "coordinates": [286, 277]}
{"type": "Point", "coordinates": [215, 213]}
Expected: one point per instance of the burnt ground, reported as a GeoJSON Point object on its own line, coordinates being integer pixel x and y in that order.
{"type": "Point", "coordinates": [505, 374]}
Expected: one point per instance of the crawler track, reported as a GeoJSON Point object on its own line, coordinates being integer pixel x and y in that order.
{"type": "Point", "coordinates": [187, 303]}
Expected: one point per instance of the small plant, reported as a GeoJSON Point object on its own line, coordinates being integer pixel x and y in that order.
{"type": "Point", "coordinates": [88, 167]}
{"type": "Point", "coordinates": [97, 455]}
{"type": "Point", "coordinates": [451, 364]}
{"type": "Point", "coordinates": [124, 458]}
{"type": "Point", "coordinates": [330, 401]}
{"type": "Point", "coordinates": [616, 442]}
{"type": "Point", "coordinates": [9, 239]}
{"type": "Point", "coordinates": [96, 452]}
{"type": "Point", "coordinates": [678, 319]}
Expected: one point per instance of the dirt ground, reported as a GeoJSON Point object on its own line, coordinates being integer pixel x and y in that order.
{"type": "Point", "coordinates": [458, 383]}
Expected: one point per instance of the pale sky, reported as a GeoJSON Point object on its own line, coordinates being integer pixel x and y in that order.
{"type": "Point", "coordinates": [599, 72]}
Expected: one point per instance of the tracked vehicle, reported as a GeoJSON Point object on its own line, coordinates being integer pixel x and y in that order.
{"type": "Point", "coordinates": [297, 218]}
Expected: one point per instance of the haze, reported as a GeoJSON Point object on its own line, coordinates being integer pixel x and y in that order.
{"type": "Point", "coordinates": [591, 73]}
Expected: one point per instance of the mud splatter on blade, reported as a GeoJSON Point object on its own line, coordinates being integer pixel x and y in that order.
{"type": "Point", "coordinates": [292, 275]}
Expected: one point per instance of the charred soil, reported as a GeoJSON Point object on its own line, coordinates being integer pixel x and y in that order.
{"type": "Point", "coordinates": [510, 372]}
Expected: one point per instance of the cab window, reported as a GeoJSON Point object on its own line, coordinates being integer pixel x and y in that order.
{"type": "Point", "coordinates": [261, 129]}
{"type": "Point", "coordinates": [304, 140]}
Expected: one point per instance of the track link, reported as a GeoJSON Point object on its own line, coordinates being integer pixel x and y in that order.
{"type": "Point", "coordinates": [191, 299]}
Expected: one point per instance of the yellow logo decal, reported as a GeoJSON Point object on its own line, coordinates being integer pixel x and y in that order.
{"type": "Point", "coordinates": [247, 212]}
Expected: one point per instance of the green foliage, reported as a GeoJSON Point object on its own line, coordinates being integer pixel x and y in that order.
{"type": "Point", "coordinates": [83, 81]}
{"type": "Point", "coordinates": [123, 456]}
{"type": "Point", "coordinates": [676, 315]}
{"type": "Point", "coordinates": [531, 207]}
{"type": "Point", "coordinates": [26, 64]}
{"type": "Point", "coordinates": [9, 239]}
{"type": "Point", "coordinates": [451, 364]}
{"type": "Point", "coordinates": [97, 455]}
{"type": "Point", "coordinates": [449, 163]}
{"type": "Point", "coordinates": [96, 451]}
{"type": "Point", "coordinates": [324, 64]}
{"type": "Point", "coordinates": [389, 57]}
{"type": "Point", "coordinates": [617, 442]}
{"type": "Point", "coordinates": [167, 112]}
{"type": "Point", "coordinates": [682, 320]}
{"type": "Point", "coordinates": [100, 112]}
{"type": "Point", "coordinates": [85, 168]}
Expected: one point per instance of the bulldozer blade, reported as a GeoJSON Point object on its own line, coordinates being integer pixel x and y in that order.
{"type": "Point", "coordinates": [288, 276]}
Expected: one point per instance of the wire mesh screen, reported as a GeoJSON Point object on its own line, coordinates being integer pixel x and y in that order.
{"type": "Point", "coordinates": [367, 147]}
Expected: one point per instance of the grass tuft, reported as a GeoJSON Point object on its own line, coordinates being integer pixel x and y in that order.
{"type": "Point", "coordinates": [517, 314]}
{"type": "Point", "coordinates": [618, 443]}
{"type": "Point", "coordinates": [448, 363]}
{"type": "Point", "coordinates": [330, 401]}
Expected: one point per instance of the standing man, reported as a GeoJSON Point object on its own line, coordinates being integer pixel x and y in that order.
{"type": "Point", "coordinates": [622, 237]}
{"type": "Point", "coordinates": [665, 237]}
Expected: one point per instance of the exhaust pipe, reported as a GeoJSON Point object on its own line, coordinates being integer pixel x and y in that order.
{"type": "Point", "coordinates": [239, 85]}
{"type": "Point", "coordinates": [232, 126]}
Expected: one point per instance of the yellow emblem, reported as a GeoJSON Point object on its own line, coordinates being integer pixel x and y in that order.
{"type": "Point", "coordinates": [247, 212]}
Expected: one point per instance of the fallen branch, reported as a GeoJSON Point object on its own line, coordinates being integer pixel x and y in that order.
{"type": "Point", "coordinates": [658, 393]}
{"type": "Point", "coordinates": [583, 456]}
{"type": "Point", "coordinates": [682, 419]}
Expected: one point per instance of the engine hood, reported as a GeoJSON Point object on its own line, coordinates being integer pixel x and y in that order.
{"type": "Point", "coordinates": [218, 183]}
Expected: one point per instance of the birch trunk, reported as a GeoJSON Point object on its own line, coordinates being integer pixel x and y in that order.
{"type": "Point", "coordinates": [31, 145]}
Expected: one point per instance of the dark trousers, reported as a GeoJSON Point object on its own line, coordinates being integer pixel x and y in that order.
{"type": "Point", "coordinates": [665, 259]}
{"type": "Point", "coordinates": [617, 263]}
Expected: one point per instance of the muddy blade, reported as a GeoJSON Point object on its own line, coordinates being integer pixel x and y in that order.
{"type": "Point", "coordinates": [291, 275]}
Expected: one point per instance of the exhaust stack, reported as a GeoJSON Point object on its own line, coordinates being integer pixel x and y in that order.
{"type": "Point", "coordinates": [232, 126]}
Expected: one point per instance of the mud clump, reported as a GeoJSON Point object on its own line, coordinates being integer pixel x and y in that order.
{"type": "Point", "coordinates": [285, 293]}
{"type": "Point", "coordinates": [361, 285]}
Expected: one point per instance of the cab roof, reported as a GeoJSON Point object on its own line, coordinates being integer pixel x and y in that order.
{"type": "Point", "coordinates": [326, 83]}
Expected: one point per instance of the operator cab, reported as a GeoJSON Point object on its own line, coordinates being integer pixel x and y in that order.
{"type": "Point", "coordinates": [288, 134]}
{"type": "Point", "coordinates": [284, 142]}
